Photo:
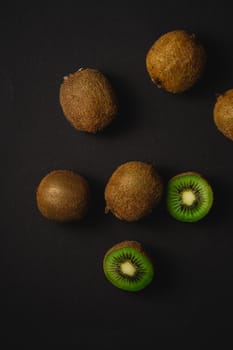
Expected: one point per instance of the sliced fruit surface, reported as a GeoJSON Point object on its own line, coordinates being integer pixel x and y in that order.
{"type": "Point", "coordinates": [128, 268]}
{"type": "Point", "coordinates": [189, 197]}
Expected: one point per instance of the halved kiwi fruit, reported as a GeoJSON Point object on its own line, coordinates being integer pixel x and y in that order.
{"type": "Point", "coordinates": [88, 100]}
{"type": "Point", "coordinates": [127, 266]}
{"type": "Point", "coordinates": [133, 190]}
{"type": "Point", "coordinates": [63, 195]}
{"type": "Point", "coordinates": [176, 61]}
{"type": "Point", "coordinates": [223, 114]}
{"type": "Point", "coordinates": [189, 197]}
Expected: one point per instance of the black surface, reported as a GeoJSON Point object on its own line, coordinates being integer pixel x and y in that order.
{"type": "Point", "coordinates": [53, 287]}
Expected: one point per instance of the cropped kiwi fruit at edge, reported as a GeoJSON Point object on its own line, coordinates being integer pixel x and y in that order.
{"type": "Point", "coordinates": [128, 267]}
{"type": "Point", "coordinates": [223, 114]}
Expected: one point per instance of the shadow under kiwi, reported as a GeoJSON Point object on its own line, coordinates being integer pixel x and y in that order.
{"type": "Point", "coordinates": [165, 276]}
{"type": "Point", "coordinates": [128, 107]}
{"type": "Point", "coordinates": [159, 214]}
{"type": "Point", "coordinates": [95, 214]}
{"type": "Point", "coordinates": [222, 205]}
{"type": "Point", "coordinates": [216, 72]}
{"type": "Point", "coordinates": [7, 91]}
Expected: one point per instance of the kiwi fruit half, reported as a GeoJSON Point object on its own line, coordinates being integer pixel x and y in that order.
{"type": "Point", "coordinates": [189, 197]}
{"type": "Point", "coordinates": [175, 61]}
{"type": "Point", "coordinates": [127, 266]}
{"type": "Point", "coordinates": [133, 190]}
{"type": "Point", "coordinates": [223, 114]}
{"type": "Point", "coordinates": [63, 195]}
{"type": "Point", "coordinates": [88, 100]}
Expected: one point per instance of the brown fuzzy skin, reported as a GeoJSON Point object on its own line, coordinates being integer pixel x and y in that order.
{"type": "Point", "coordinates": [223, 114]}
{"type": "Point", "coordinates": [132, 244]}
{"type": "Point", "coordinates": [133, 190]}
{"type": "Point", "coordinates": [88, 100]}
{"type": "Point", "coordinates": [63, 195]}
{"type": "Point", "coordinates": [187, 173]}
{"type": "Point", "coordinates": [175, 61]}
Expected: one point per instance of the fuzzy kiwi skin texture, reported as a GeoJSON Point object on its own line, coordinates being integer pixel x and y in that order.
{"type": "Point", "coordinates": [133, 190]}
{"type": "Point", "coordinates": [134, 244]}
{"type": "Point", "coordinates": [88, 100]}
{"type": "Point", "coordinates": [223, 114]}
{"type": "Point", "coordinates": [63, 196]}
{"type": "Point", "coordinates": [175, 62]}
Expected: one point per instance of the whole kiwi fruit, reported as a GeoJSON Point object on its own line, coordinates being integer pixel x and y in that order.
{"type": "Point", "coordinates": [133, 190]}
{"type": "Point", "coordinates": [223, 114]}
{"type": "Point", "coordinates": [88, 100]}
{"type": "Point", "coordinates": [128, 267]}
{"type": "Point", "coordinates": [175, 61]}
{"type": "Point", "coordinates": [63, 195]}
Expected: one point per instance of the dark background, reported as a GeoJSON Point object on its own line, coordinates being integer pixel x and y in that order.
{"type": "Point", "coordinates": [53, 287]}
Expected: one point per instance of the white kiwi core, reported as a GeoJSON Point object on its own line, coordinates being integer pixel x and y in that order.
{"type": "Point", "coordinates": [127, 268]}
{"type": "Point", "coordinates": [188, 198]}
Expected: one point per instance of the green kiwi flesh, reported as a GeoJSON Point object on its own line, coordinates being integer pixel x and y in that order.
{"type": "Point", "coordinates": [127, 267]}
{"type": "Point", "coordinates": [189, 197]}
